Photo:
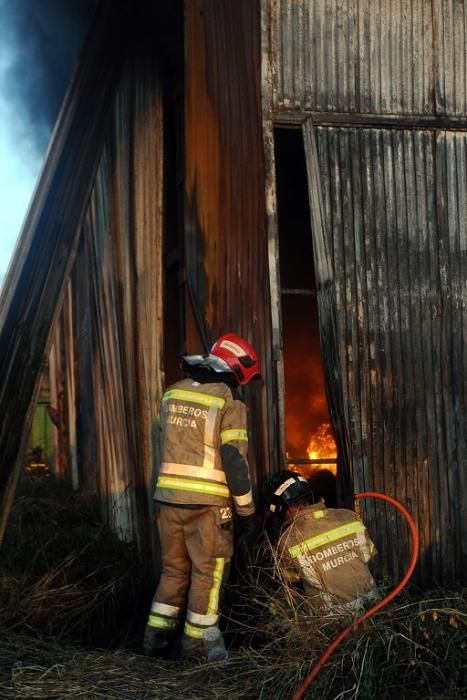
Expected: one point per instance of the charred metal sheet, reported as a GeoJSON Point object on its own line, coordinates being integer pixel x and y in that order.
{"type": "Point", "coordinates": [369, 56]}
{"type": "Point", "coordinates": [118, 320]}
{"type": "Point", "coordinates": [385, 85]}
{"type": "Point", "coordinates": [395, 218]}
{"type": "Point", "coordinates": [450, 64]}
{"type": "Point", "coordinates": [326, 297]}
{"type": "Point", "coordinates": [226, 238]}
{"type": "Point", "coordinates": [451, 193]}
{"type": "Point", "coordinates": [277, 437]}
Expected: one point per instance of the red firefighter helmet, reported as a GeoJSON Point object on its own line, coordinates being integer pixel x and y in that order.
{"type": "Point", "coordinates": [240, 356]}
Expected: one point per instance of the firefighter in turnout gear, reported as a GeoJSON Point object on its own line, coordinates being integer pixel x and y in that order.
{"type": "Point", "coordinates": [326, 549]}
{"type": "Point", "coordinates": [203, 475]}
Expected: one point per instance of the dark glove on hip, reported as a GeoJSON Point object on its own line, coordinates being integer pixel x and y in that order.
{"type": "Point", "coordinates": [249, 528]}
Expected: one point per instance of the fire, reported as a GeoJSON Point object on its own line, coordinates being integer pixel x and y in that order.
{"type": "Point", "coordinates": [323, 445]}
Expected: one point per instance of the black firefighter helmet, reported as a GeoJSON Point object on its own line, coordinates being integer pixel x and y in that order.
{"type": "Point", "coordinates": [287, 487]}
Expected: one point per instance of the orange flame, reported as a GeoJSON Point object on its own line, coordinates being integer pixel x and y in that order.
{"type": "Point", "coordinates": [322, 445]}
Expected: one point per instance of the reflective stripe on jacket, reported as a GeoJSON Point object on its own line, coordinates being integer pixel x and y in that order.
{"type": "Point", "coordinates": [328, 548]}
{"type": "Point", "coordinates": [197, 421]}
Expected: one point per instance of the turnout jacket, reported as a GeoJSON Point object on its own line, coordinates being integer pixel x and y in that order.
{"type": "Point", "coordinates": [204, 447]}
{"type": "Point", "coordinates": [328, 550]}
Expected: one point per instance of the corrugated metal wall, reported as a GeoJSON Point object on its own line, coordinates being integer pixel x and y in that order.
{"type": "Point", "coordinates": [116, 289]}
{"type": "Point", "coordinates": [394, 199]}
{"type": "Point", "coordinates": [398, 240]}
{"type": "Point", "coordinates": [370, 56]}
{"type": "Point", "coordinates": [226, 237]}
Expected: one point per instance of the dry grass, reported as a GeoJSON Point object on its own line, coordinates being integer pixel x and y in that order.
{"type": "Point", "coordinates": [63, 573]}
{"type": "Point", "coordinates": [67, 583]}
{"type": "Point", "coordinates": [415, 650]}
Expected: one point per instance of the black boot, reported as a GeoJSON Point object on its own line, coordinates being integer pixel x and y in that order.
{"type": "Point", "coordinates": [156, 642]}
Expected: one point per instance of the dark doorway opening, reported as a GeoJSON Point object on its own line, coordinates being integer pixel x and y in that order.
{"type": "Point", "coordinates": [310, 444]}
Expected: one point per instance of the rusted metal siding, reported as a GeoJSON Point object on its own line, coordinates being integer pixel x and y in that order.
{"type": "Point", "coordinates": [117, 322]}
{"type": "Point", "coordinates": [395, 221]}
{"type": "Point", "coordinates": [369, 56]}
{"type": "Point", "coordinates": [226, 239]}
{"type": "Point", "coordinates": [385, 84]}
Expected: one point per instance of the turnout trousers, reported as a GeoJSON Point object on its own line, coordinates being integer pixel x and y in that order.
{"type": "Point", "coordinates": [197, 545]}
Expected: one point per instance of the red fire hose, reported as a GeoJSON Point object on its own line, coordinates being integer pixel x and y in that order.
{"type": "Point", "coordinates": [413, 560]}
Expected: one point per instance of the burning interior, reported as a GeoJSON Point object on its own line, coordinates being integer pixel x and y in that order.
{"type": "Point", "coordinates": [310, 444]}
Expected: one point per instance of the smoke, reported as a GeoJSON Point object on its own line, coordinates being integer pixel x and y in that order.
{"type": "Point", "coordinates": [40, 42]}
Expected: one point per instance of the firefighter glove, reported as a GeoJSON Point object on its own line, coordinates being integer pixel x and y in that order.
{"type": "Point", "coordinates": [249, 528]}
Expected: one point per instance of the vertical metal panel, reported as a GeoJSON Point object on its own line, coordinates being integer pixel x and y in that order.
{"type": "Point", "coordinates": [122, 251]}
{"type": "Point", "coordinates": [277, 441]}
{"type": "Point", "coordinates": [399, 270]}
{"type": "Point", "coordinates": [60, 401]}
{"type": "Point", "coordinates": [364, 56]}
{"type": "Point", "coordinates": [83, 308]}
{"type": "Point", "coordinates": [451, 150]}
{"type": "Point", "coordinates": [226, 236]}
{"type": "Point", "coordinates": [54, 394]}
{"type": "Point", "coordinates": [70, 366]}
{"type": "Point", "coordinates": [450, 35]}
{"type": "Point", "coordinates": [327, 311]}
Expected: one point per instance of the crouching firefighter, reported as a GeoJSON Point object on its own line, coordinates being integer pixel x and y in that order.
{"type": "Point", "coordinates": [325, 549]}
{"type": "Point", "coordinates": [204, 472]}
